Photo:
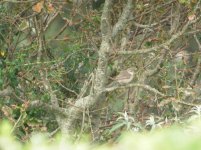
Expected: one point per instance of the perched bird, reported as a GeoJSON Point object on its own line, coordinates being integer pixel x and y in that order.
{"type": "Point", "coordinates": [125, 76]}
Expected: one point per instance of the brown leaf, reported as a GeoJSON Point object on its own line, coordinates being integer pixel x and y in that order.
{"type": "Point", "coordinates": [38, 7]}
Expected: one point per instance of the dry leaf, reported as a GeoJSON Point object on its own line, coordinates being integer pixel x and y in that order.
{"type": "Point", "coordinates": [38, 7]}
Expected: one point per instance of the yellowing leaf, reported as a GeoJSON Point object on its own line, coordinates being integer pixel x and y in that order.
{"type": "Point", "coordinates": [38, 7]}
{"type": "Point", "coordinates": [2, 53]}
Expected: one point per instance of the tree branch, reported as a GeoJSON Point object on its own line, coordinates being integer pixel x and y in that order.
{"type": "Point", "coordinates": [147, 87]}
{"type": "Point", "coordinates": [165, 44]}
{"type": "Point", "coordinates": [159, 65]}
{"type": "Point", "coordinates": [198, 66]}
{"type": "Point", "coordinates": [120, 25]}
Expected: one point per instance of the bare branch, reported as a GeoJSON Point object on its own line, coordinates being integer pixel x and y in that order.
{"type": "Point", "coordinates": [100, 74]}
{"type": "Point", "coordinates": [120, 25]}
{"type": "Point", "coordinates": [53, 17]}
{"type": "Point", "coordinates": [105, 22]}
{"type": "Point", "coordinates": [74, 112]}
{"type": "Point", "coordinates": [168, 42]}
{"type": "Point", "coordinates": [147, 87]}
{"type": "Point", "coordinates": [159, 65]}
{"type": "Point", "coordinates": [198, 66]}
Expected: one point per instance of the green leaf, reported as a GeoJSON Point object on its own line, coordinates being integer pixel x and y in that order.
{"type": "Point", "coordinates": [116, 127]}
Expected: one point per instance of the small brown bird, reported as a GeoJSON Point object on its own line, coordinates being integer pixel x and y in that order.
{"type": "Point", "coordinates": [125, 76]}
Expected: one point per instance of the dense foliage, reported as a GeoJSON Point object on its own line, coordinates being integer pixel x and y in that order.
{"type": "Point", "coordinates": [99, 67]}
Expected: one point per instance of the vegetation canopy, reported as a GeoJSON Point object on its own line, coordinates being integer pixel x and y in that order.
{"type": "Point", "coordinates": [98, 68]}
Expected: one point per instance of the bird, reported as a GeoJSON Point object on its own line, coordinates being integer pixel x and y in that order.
{"type": "Point", "coordinates": [124, 76]}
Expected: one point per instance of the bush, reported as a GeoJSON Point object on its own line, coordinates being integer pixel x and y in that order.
{"type": "Point", "coordinates": [187, 138]}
